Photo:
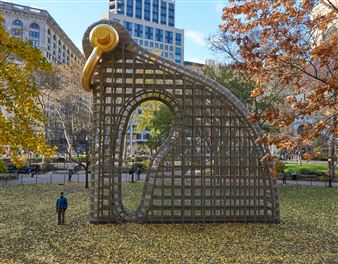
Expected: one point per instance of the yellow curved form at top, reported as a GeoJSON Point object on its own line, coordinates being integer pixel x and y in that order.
{"type": "Point", "coordinates": [104, 38]}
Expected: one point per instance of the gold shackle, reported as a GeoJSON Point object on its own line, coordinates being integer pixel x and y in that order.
{"type": "Point", "coordinates": [103, 38]}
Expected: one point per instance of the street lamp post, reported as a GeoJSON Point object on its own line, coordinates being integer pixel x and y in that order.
{"type": "Point", "coordinates": [132, 168]}
{"type": "Point", "coordinates": [331, 172]}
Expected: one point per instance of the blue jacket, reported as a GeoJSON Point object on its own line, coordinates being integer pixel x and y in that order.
{"type": "Point", "coordinates": [61, 203]}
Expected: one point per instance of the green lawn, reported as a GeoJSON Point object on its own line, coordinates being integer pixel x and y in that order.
{"type": "Point", "coordinates": [29, 232]}
{"type": "Point", "coordinates": [313, 167]}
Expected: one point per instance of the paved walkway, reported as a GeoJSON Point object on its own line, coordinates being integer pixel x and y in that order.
{"type": "Point", "coordinates": [61, 177]}
{"type": "Point", "coordinates": [58, 177]}
{"type": "Point", "coordinates": [309, 183]}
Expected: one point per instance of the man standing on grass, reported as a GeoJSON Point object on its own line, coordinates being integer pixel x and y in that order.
{"type": "Point", "coordinates": [61, 207]}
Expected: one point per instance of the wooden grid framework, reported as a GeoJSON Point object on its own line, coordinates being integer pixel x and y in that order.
{"type": "Point", "coordinates": [209, 168]}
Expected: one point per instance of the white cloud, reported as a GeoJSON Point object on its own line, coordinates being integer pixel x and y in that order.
{"type": "Point", "coordinates": [194, 59]}
{"type": "Point", "coordinates": [196, 37]}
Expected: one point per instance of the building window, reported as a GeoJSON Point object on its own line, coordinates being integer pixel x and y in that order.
{"type": "Point", "coordinates": [35, 43]}
{"type": "Point", "coordinates": [48, 32]}
{"type": "Point", "coordinates": [120, 7]}
{"type": "Point", "coordinates": [33, 34]}
{"type": "Point", "coordinates": [34, 26]}
{"type": "Point", "coordinates": [138, 31]}
{"type": "Point", "coordinates": [151, 44]}
{"type": "Point", "coordinates": [128, 26]}
{"type": "Point", "coordinates": [163, 12]}
{"type": "Point", "coordinates": [178, 39]}
{"type": "Point", "coordinates": [149, 33]}
{"type": "Point", "coordinates": [17, 32]}
{"type": "Point", "coordinates": [138, 9]}
{"type": "Point", "coordinates": [159, 35]}
{"type": "Point", "coordinates": [155, 11]}
{"type": "Point", "coordinates": [17, 23]}
{"type": "Point", "coordinates": [171, 14]}
{"type": "Point", "coordinates": [178, 55]}
{"type": "Point", "coordinates": [169, 37]}
{"type": "Point", "coordinates": [147, 10]}
{"type": "Point", "coordinates": [130, 8]}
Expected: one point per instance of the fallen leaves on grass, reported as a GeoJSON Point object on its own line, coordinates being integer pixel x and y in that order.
{"type": "Point", "coordinates": [29, 232]}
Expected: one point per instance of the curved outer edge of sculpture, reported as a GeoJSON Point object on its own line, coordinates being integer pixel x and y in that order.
{"type": "Point", "coordinates": [232, 100]}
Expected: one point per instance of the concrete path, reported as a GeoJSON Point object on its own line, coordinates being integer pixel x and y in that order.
{"type": "Point", "coordinates": [58, 177]}
{"type": "Point", "coordinates": [61, 177]}
{"type": "Point", "coordinates": [309, 183]}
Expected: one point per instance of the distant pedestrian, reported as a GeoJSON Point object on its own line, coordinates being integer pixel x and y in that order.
{"type": "Point", "coordinates": [138, 172]}
{"type": "Point", "coordinates": [61, 207]}
{"type": "Point", "coordinates": [131, 173]}
{"type": "Point", "coordinates": [70, 174]}
{"type": "Point", "coordinates": [31, 171]}
{"type": "Point", "coordinates": [284, 178]}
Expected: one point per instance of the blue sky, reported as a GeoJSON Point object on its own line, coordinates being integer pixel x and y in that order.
{"type": "Point", "coordinates": [199, 19]}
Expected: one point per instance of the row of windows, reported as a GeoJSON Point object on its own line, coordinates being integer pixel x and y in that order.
{"type": "Point", "coordinates": [160, 35]}
{"type": "Point", "coordinates": [58, 46]}
{"type": "Point", "coordinates": [160, 10]}
{"type": "Point", "coordinates": [57, 59]}
{"type": "Point", "coordinates": [167, 49]}
{"type": "Point", "coordinates": [18, 23]}
{"type": "Point", "coordinates": [34, 39]}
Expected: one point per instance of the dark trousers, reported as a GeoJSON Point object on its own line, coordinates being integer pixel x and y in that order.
{"type": "Point", "coordinates": [61, 216]}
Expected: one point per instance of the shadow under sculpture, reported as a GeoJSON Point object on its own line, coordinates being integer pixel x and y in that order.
{"type": "Point", "coordinates": [208, 169]}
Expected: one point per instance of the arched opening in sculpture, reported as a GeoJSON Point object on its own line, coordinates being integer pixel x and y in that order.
{"type": "Point", "coordinates": [210, 168]}
{"type": "Point", "coordinates": [147, 130]}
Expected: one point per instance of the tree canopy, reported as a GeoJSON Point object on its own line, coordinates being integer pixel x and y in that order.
{"type": "Point", "coordinates": [21, 119]}
{"type": "Point", "coordinates": [242, 87]}
{"type": "Point", "coordinates": [293, 43]}
{"type": "Point", "coordinates": [157, 117]}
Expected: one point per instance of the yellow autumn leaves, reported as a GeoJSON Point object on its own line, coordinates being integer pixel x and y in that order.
{"type": "Point", "coordinates": [29, 232]}
{"type": "Point", "coordinates": [21, 118]}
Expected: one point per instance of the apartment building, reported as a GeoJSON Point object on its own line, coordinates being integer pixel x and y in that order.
{"type": "Point", "coordinates": [40, 29]}
{"type": "Point", "coordinates": [152, 25]}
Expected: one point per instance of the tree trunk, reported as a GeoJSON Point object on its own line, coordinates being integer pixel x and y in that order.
{"type": "Point", "coordinates": [299, 155]}
{"type": "Point", "coordinates": [87, 177]}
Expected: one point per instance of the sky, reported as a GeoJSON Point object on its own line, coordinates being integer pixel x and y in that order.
{"type": "Point", "coordinates": [198, 18]}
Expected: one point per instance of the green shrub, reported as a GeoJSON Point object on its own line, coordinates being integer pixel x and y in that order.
{"type": "Point", "coordinates": [3, 166]}
{"type": "Point", "coordinates": [305, 171]}
{"type": "Point", "coordinates": [139, 166]}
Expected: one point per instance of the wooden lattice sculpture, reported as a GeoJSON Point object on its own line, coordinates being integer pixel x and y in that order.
{"type": "Point", "coordinates": [209, 168]}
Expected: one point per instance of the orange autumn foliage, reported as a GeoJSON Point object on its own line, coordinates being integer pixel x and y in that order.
{"type": "Point", "coordinates": [296, 43]}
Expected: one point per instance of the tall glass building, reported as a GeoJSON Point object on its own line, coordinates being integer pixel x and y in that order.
{"type": "Point", "coordinates": [152, 24]}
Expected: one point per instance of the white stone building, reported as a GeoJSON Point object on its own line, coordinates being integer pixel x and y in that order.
{"type": "Point", "coordinates": [39, 28]}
